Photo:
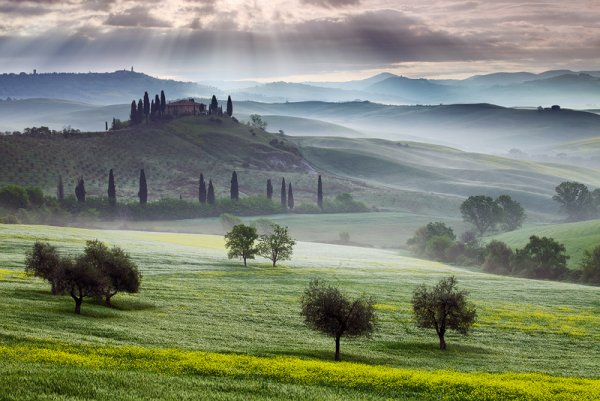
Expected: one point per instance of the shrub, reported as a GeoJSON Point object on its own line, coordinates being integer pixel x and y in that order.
{"type": "Point", "coordinates": [541, 258]}
{"type": "Point", "coordinates": [498, 258]}
{"type": "Point", "coordinates": [590, 266]}
{"type": "Point", "coordinates": [14, 197]}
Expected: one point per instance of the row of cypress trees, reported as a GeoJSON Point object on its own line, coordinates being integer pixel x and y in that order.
{"type": "Point", "coordinates": [144, 108]}
{"type": "Point", "coordinates": [206, 194]}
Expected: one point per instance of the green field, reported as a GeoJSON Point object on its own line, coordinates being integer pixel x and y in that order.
{"type": "Point", "coordinates": [577, 237]}
{"type": "Point", "coordinates": [204, 327]}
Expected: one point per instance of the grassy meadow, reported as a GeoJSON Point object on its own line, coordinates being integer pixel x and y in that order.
{"type": "Point", "coordinates": [204, 327]}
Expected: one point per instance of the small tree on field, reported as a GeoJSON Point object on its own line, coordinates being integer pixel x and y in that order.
{"type": "Point", "coordinates": [481, 211]}
{"type": "Point", "coordinates": [327, 310]}
{"type": "Point", "coordinates": [513, 213]}
{"type": "Point", "coordinates": [240, 242]}
{"type": "Point", "coordinates": [443, 307]}
{"type": "Point", "coordinates": [80, 280]}
{"type": "Point", "coordinates": [112, 192]}
{"type": "Point", "coordinates": [143, 191]}
{"type": "Point", "coordinates": [80, 190]}
{"type": "Point", "coordinates": [43, 261]}
{"type": "Point", "coordinates": [424, 235]}
{"type": "Point", "coordinates": [210, 196]}
{"type": "Point", "coordinates": [575, 200]}
{"type": "Point", "coordinates": [269, 190]}
{"type": "Point", "coordinates": [277, 245]}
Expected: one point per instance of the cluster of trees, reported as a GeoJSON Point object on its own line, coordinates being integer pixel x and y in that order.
{"type": "Point", "coordinates": [442, 307]}
{"type": "Point", "coordinates": [14, 196]}
{"type": "Point", "coordinates": [486, 213]}
{"type": "Point", "coordinates": [100, 272]}
{"type": "Point", "coordinates": [577, 201]}
{"type": "Point", "coordinates": [146, 108]}
{"type": "Point", "coordinates": [274, 245]}
{"type": "Point", "coordinates": [45, 132]}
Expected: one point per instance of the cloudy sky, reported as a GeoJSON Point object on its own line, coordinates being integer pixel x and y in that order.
{"type": "Point", "coordinates": [200, 40]}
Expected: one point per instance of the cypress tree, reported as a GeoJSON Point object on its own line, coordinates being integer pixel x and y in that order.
{"type": "Point", "coordinates": [140, 111]}
{"type": "Point", "coordinates": [80, 190]}
{"type": "Point", "coordinates": [152, 108]}
{"type": "Point", "coordinates": [133, 113]}
{"type": "Point", "coordinates": [320, 193]}
{"type": "Point", "coordinates": [235, 194]}
{"type": "Point", "coordinates": [202, 189]}
{"type": "Point", "coordinates": [112, 192]}
{"type": "Point", "coordinates": [163, 103]}
{"type": "Point", "coordinates": [146, 105]}
{"type": "Point", "coordinates": [157, 104]}
{"type": "Point", "coordinates": [269, 189]}
{"type": "Point", "coordinates": [283, 194]}
{"type": "Point", "coordinates": [60, 189]}
{"type": "Point", "coordinates": [214, 105]}
{"type": "Point", "coordinates": [229, 106]}
{"type": "Point", "coordinates": [105, 125]}
{"type": "Point", "coordinates": [290, 199]}
{"type": "Point", "coordinates": [210, 196]}
{"type": "Point", "coordinates": [143, 192]}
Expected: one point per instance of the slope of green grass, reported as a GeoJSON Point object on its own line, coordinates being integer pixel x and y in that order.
{"type": "Point", "coordinates": [204, 327]}
{"type": "Point", "coordinates": [577, 237]}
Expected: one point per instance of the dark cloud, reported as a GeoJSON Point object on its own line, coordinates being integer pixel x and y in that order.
{"type": "Point", "coordinates": [23, 9]}
{"type": "Point", "coordinates": [332, 3]}
{"type": "Point", "coordinates": [136, 17]}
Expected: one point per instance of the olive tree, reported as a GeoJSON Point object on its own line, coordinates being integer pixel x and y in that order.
{"type": "Point", "coordinates": [277, 245]}
{"type": "Point", "coordinates": [240, 242]}
{"type": "Point", "coordinates": [327, 310]}
{"type": "Point", "coordinates": [43, 261]}
{"type": "Point", "coordinates": [443, 307]}
{"type": "Point", "coordinates": [80, 280]}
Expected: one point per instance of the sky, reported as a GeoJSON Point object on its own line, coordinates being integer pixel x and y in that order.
{"type": "Point", "coordinates": [299, 40]}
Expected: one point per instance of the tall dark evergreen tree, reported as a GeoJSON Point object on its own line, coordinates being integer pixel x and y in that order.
{"type": "Point", "coordinates": [112, 192]}
{"type": "Point", "coordinates": [235, 194]}
{"type": "Point", "coordinates": [80, 190]}
{"type": "Point", "coordinates": [146, 105]}
{"type": "Point", "coordinates": [163, 103]}
{"type": "Point", "coordinates": [214, 105]}
{"type": "Point", "coordinates": [283, 194]}
{"type": "Point", "coordinates": [133, 116]}
{"type": "Point", "coordinates": [60, 189]}
{"type": "Point", "coordinates": [152, 108]}
{"type": "Point", "coordinates": [269, 189]}
{"type": "Point", "coordinates": [290, 197]}
{"type": "Point", "coordinates": [320, 193]}
{"type": "Point", "coordinates": [202, 189]}
{"type": "Point", "coordinates": [140, 111]}
{"type": "Point", "coordinates": [229, 106]}
{"type": "Point", "coordinates": [210, 196]}
{"type": "Point", "coordinates": [157, 103]}
{"type": "Point", "coordinates": [143, 192]}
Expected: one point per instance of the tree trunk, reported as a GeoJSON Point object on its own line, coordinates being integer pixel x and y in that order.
{"type": "Point", "coordinates": [337, 348]}
{"type": "Point", "coordinates": [274, 262]}
{"type": "Point", "coordinates": [442, 342]}
{"type": "Point", "coordinates": [107, 300]}
{"type": "Point", "coordinates": [54, 289]}
{"type": "Point", "coordinates": [245, 262]}
{"type": "Point", "coordinates": [78, 306]}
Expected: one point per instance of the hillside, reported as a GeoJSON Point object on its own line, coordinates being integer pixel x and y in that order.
{"type": "Point", "coordinates": [577, 237]}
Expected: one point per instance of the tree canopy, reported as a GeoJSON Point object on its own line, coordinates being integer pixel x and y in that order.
{"type": "Point", "coordinates": [240, 242]}
{"type": "Point", "coordinates": [277, 245]}
{"type": "Point", "coordinates": [575, 200]}
{"type": "Point", "coordinates": [482, 211]}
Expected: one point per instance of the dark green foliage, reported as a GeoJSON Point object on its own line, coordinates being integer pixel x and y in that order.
{"type": "Point", "coordinates": [112, 191]}
{"type": "Point", "coordinates": [163, 103]}
{"type": "Point", "coordinates": [140, 111]}
{"type": "Point", "coordinates": [146, 105]}
{"type": "Point", "coordinates": [210, 196]}
{"type": "Point", "coordinates": [283, 194]}
{"type": "Point", "coordinates": [256, 121]}
{"type": "Point", "coordinates": [80, 190]}
{"type": "Point", "coordinates": [143, 190]}
{"type": "Point", "coordinates": [277, 245]}
{"type": "Point", "coordinates": [234, 191]}
{"type": "Point", "coordinates": [229, 106]}
{"type": "Point", "coordinates": [240, 242]}
{"type": "Point", "coordinates": [320, 193]}
{"type": "Point", "coordinates": [14, 197]}
{"type": "Point", "coordinates": [575, 200]}
{"type": "Point", "coordinates": [133, 114]}
{"type": "Point", "coordinates": [443, 308]}
{"type": "Point", "coordinates": [120, 272]}
{"type": "Point", "coordinates": [202, 189]}
{"type": "Point", "coordinates": [290, 197]}
{"type": "Point", "coordinates": [152, 108]}
{"type": "Point", "coordinates": [498, 258]}
{"type": "Point", "coordinates": [424, 235]}
{"type": "Point", "coordinates": [80, 280]}
{"type": "Point", "coordinates": [43, 261]}
{"type": "Point", "coordinates": [60, 189]}
{"type": "Point", "coordinates": [269, 189]}
{"type": "Point", "coordinates": [344, 203]}
{"type": "Point", "coordinates": [327, 310]}
{"type": "Point", "coordinates": [214, 106]}
{"type": "Point", "coordinates": [541, 258]}
{"type": "Point", "coordinates": [590, 266]}
{"type": "Point", "coordinates": [513, 213]}
{"type": "Point", "coordinates": [481, 211]}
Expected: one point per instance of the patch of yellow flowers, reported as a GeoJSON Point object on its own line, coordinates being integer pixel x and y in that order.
{"type": "Point", "coordinates": [388, 381]}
